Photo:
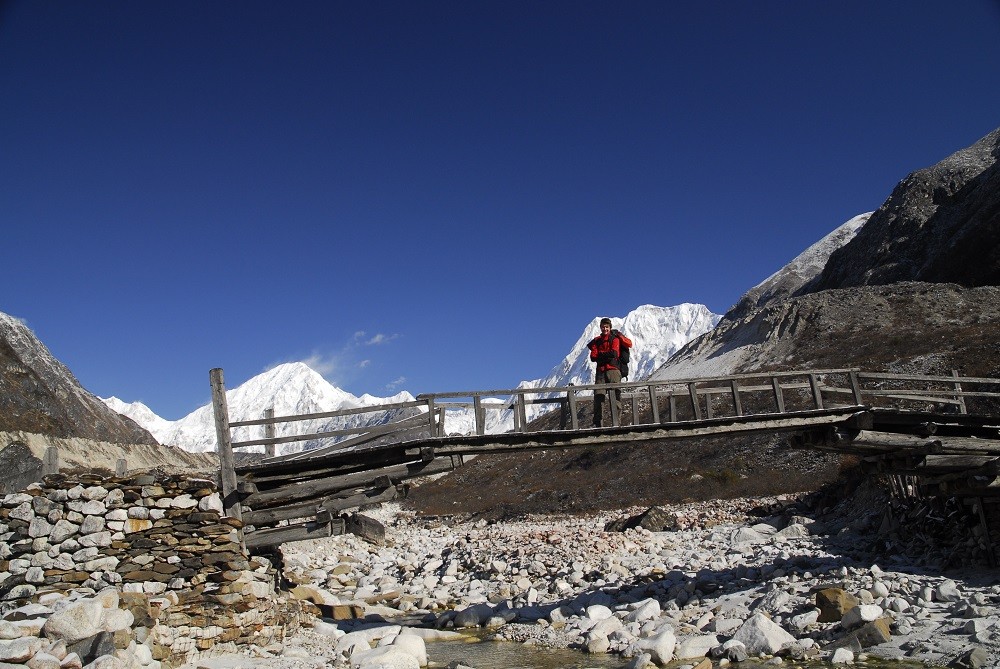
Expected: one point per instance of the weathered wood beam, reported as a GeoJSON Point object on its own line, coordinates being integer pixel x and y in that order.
{"type": "Point", "coordinates": [275, 536]}
{"type": "Point", "coordinates": [298, 492]}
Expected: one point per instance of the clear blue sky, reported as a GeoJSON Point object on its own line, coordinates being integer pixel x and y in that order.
{"type": "Point", "coordinates": [438, 196]}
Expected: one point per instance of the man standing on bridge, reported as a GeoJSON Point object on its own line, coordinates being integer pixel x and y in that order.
{"type": "Point", "coordinates": [606, 353]}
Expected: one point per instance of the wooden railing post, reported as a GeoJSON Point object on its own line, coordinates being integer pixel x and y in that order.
{"type": "Point", "coordinates": [571, 398]}
{"type": "Point", "coordinates": [958, 393]}
{"type": "Point", "coordinates": [522, 413]}
{"type": "Point", "coordinates": [737, 405]}
{"type": "Point", "coordinates": [477, 403]}
{"type": "Point", "coordinates": [695, 407]}
{"type": "Point", "coordinates": [431, 417]}
{"type": "Point", "coordinates": [779, 398]}
{"type": "Point", "coordinates": [269, 432]}
{"type": "Point", "coordinates": [816, 391]}
{"type": "Point", "coordinates": [612, 397]}
{"type": "Point", "coordinates": [654, 404]}
{"type": "Point", "coordinates": [227, 468]}
{"type": "Point", "coordinates": [855, 387]}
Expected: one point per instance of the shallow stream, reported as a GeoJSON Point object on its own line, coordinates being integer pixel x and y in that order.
{"type": "Point", "coordinates": [512, 655]}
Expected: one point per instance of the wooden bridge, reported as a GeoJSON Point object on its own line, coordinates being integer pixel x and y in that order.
{"type": "Point", "coordinates": [943, 431]}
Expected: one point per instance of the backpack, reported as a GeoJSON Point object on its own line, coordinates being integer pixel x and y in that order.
{"type": "Point", "coordinates": [623, 354]}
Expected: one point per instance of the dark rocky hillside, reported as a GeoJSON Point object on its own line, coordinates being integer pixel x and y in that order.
{"type": "Point", "coordinates": [914, 291]}
{"type": "Point", "coordinates": [940, 225]}
{"type": "Point", "coordinates": [38, 394]}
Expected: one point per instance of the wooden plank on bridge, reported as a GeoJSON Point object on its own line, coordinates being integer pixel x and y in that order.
{"type": "Point", "coordinates": [295, 493]}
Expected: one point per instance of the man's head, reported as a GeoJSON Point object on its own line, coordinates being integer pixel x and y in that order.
{"type": "Point", "coordinates": [605, 325]}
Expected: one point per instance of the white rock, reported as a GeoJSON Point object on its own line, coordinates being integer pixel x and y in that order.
{"type": "Point", "coordinates": [413, 645]}
{"type": "Point", "coordinates": [647, 609]}
{"type": "Point", "coordinates": [19, 651]}
{"type": "Point", "coordinates": [760, 634]}
{"type": "Point", "coordinates": [695, 646]}
{"type": "Point", "coordinates": [384, 657]}
{"type": "Point", "coordinates": [804, 620]}
{"type": "Point", "coordinates": [861, 614]}
{"type": "Point", "coordinates": [745, 535]}
{"type": "Point", "coordinates": [599, 612]}
{"type": "Point", "coordinates": [947, 591]}
{"type": "Point", "coordinates": [660, 646]}
{"type": "Point", "coordinates": [352, 643]}
{"type": "Point", "coordinates": [78, 621]}
{"type": "Point", "coordinates": [842, 656]}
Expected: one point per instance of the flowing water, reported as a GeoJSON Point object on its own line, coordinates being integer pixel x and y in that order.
{"type": "Point", "coordinates": [511, 655]}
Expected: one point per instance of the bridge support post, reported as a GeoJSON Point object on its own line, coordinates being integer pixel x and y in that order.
{"type": "Point", "coordinates": [431, 417]}
{"type": "Point", "coordinates": [816, 391]}
{"type": "Point", "coordinates": [269, 432]}
{"type": "Point", "coordinates": [958, 393]}
{"type": "Point", "coordinates": [613, 400]}
{"type": "Point", "coordinates": [477, 403]}
{"type": "Point", "coordinates": [227, 467]}
{"type": "Point", "coordinates": [695, 407]}
{"type": "Point", "coordinates": [522, 414]}
{"type": "Point", "coordinates": [574, 420]}
{"type": "Point", "coordinates": [654, 404]}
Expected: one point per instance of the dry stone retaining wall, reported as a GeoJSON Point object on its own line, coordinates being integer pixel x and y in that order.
{"type": "Point", "coordinates": [162, 541]}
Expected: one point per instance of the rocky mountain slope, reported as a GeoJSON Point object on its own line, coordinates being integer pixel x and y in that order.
{"type": "Point", "coordinates": [940, 225]}
{"type": "Point", "coordinates": [38, 394]}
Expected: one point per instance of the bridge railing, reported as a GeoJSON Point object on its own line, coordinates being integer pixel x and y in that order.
{"type": "Point", "coordinates": [650, 401]}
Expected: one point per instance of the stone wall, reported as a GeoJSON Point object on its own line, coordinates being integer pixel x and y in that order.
{"type": "Point", "coordinates": [160, 540]}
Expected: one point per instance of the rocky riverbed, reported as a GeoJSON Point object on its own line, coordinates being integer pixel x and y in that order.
{"type": "Point", "coordinates": [725, 585]}
{"type": "Point", "coordinates": [797, 580]}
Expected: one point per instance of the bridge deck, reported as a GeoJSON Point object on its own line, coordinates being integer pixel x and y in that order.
{"type": "Point", "coordinates": [306, 495]}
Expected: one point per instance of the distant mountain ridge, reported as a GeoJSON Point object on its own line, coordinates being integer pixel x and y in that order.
{"type": "Point", "coordinates": [296, 389]}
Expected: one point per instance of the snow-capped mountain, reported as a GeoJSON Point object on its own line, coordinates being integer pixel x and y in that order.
{"type": "Point", "coordinates": [290, 389]}
{"type": "Point", "coordinates": [296, 389]}
{"type": "Point", "coordinates": [656, 333]}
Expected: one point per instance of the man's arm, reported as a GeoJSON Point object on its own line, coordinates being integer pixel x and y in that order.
{"type": "Point", "coordinates": [622, 338]}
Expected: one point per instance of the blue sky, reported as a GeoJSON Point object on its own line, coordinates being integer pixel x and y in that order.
{"type": "Point", "coordinates": [438, 196]}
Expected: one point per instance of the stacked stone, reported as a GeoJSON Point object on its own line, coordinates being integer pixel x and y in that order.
{"type": "Point", "coordinates": [162, 541]}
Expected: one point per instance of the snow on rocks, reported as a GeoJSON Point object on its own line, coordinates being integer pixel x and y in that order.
{"type": "Point", "coordinates": [723, 585]}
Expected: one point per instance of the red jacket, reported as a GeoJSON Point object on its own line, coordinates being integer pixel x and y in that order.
{"type": "Point", "coordinates": [605, 350]}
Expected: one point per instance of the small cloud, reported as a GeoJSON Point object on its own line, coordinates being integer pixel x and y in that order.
{"type": "Point", "coordinates": [364, 363]}
{"type": "Point", "coordinates": [392, 385]}
{"type": "Point", "coordinates": [324, 364]}
{"type": "Point", "coordinates": [381, 339]}
{"type": "Point", "coordinates": [359, 335]}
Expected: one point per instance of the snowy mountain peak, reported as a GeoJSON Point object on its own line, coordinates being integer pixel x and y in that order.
{"type": "Point", "coordinates": [138, 412]}
{"type": "Point", "coordinates": [656, 334]}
